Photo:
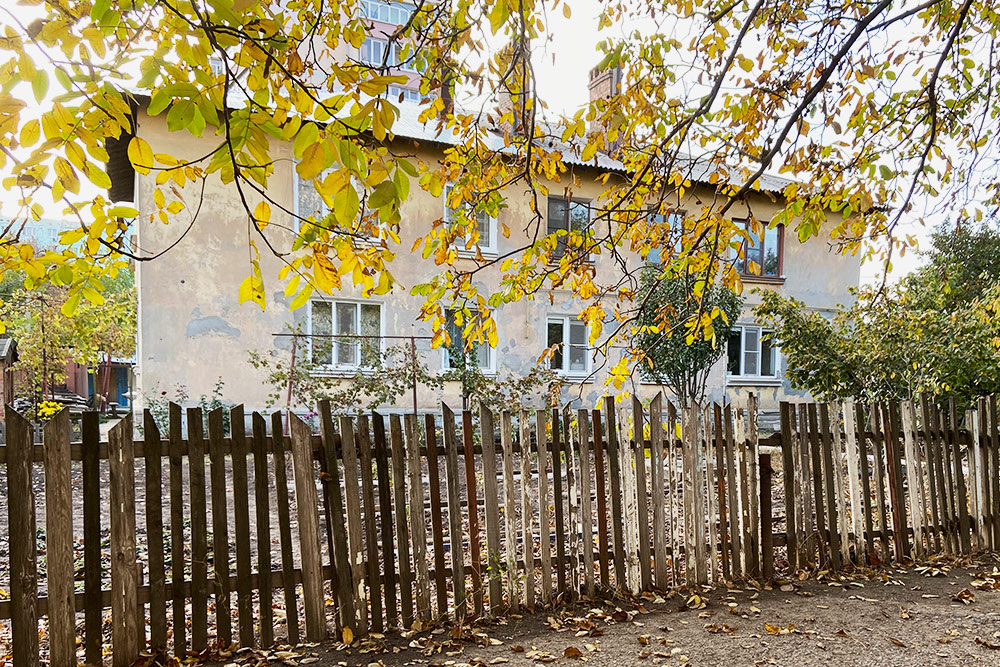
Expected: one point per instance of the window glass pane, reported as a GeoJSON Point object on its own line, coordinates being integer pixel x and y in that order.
{"type": "Point", "coordinates": [372, 51]}
{"type": "Point", "coordinates": [751, 252]}
{"type": "Point", "coordinates": [481, 355]}
{"type": "Point", "coordinates": [347, 348]}
{"type": "Point", "coordinates": [734, 348]}
{"type": "Point", "coordinates": [768, 357]}
{"type": "Point", "coordinates": [455, 350]}
{"type": "Point", "coordinates": [751, 351]}
{"type": "Point", "coordinates": [322, 325]}
{"type": "Point", "coordinates": [770, 265]}
{"type": "Point", "coordinates": [555, 337]}
{"type": "Point", "coordinates": [371, 325]}
{"type": "Point", "coordinates": [577, 347]}
{"type": "Point", "coordinates": [309, 201]}
{"type": "Point", "coordinates": [579, 215]}
{"type": "Point", "coordinates": [557, 214]}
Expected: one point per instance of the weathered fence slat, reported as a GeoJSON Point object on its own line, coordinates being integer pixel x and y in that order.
{"type": "Point", "coordinates": [901, 535]}
{"type": "Point", "coordinates": [642, 516]}
{"type": "Point", "coordinates": [509, 510]}
{"type": "Point", "coordinates": [199, 530]}
{"type": "Point", "coordinates": [307, 504]}
{"type": "Point", "coordinates": [720, 471]}
{"type": "Point", "coordinates": [21, 541]}
{"type": "Point", "coordinates": [735, 534]}
{"type": "Point", "coordinates": [586, 506]}
{"type": "Point", "coordinates": [454, 512]}
{"type": "Point", "coordinates": [839, 490]}
{"type": "Point", "coordinates": [177, 557]}
{"type": "Point", "coordinates": [355, 546]}
{"type": "Point", "coordinates": [285, 526]}
{"type": "Point", "coordinates": [437, 524]}
{"type": "Point", "coordinates": [829, 475]}
{"type": "Point", "coordinates": [488, 433]}
{"type": "Point", "coordinates": [472, 502]}
{"type": "Point", "coordinates": [992, 465]}
{"type": "Point", "coordinates": [615, 473]}
{"type": "Point", "coordinates": [372, 575]}
{"type": "Point", "coordinates": [154, 530]}
{"type": "Point", "coordinates": [418, 517]}
{"type": "Point", "coordinates": [853, 482]}
{"type": "Point", "coordinates": [557, 495]}
{"type": "Point", "coordinates": [402, 529]}
{"type": "Point", "coordinates": [386, 520]}
{"type": "Point", "coordinates": [220, 528]}
{"type": "Point", "coordinates": [937, 517]}
{"type": "Point", "coordinates": [124, 575]}
{"type": "Point", "coordinates": [602, 501]}
{"type": "Point", "coordinates": [753, 461]}
{"type": "Point", "coordinates": [914, 477]}
{"type": "Point", "coordinates": [262, 517]}
{"type": "Point", "coordinates": [527, 512]}
{"type": "Point", "coordinates": [241, 522]}
{"type": "Point", "coordinates": [788, 479]}
{"type": "Point", "coordinates": [742, 455]}
{"type": "Point", "coordinates": [545, 528]}
{"type": "Point", "coordinates": [659, 510]}
{"type": "Point", "coordinates": [93, 607]}
{"type": "Point", "coordinates": [961, 493]}
{"type": "Point", "coordinates": [572, 494]}
{"type": "Point", "coordinates": [715, 573]}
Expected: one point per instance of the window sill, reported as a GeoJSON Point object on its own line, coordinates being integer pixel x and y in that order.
{"type": "Point", "coordinates": [758, 381]}
{"type": "Point", "coordinates": [342, 373]}
{"type": "Point", "coordinates": [576, 378]}
{"type": "Point", "coordinates": [763, 280]}
{"type": "Point", "coordinates": [471, 254]}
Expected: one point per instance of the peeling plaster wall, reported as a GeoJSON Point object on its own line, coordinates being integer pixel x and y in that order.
{"type": "Point", "coordinates": [192, 330]}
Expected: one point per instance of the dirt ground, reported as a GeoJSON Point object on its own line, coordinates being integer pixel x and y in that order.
{"type": "Point", "coordinates": [948, 614]}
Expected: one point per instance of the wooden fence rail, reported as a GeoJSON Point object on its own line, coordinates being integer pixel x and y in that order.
{"type": "Point", "coordinates": [381, 522]}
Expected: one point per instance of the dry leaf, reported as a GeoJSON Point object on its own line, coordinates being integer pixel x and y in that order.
{"type": "Point", "coordinates": [573, 652]}
{"type": "Point", "coordinates": [897, 642]}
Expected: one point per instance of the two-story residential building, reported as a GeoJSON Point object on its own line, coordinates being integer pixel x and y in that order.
{"type": "Point", "coordinates": [193, 332]}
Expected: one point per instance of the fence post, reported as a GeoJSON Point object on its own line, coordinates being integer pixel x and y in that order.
{"type": "Point", "coordinates": [59, 540]}
{"type": "Point", "coordinates": [124, 574]}
{"type": "Point", "coordinates": [307, 502]}
{"type": "Point", "coordinates": [766, 519]}
{"type": "Point", "coordinates": [91, 435]}
{"type": "Point", "coordinates": [22, 549]}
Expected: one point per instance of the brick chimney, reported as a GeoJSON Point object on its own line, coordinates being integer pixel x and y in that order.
{"type": "Point", "coordinates": [603, 85]}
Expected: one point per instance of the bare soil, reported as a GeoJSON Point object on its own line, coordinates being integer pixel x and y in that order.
{"type": "Point", "coordinates": [945, 615]}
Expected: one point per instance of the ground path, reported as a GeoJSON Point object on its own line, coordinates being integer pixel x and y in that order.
{"type": "Point", "coordinates": [948, 614]}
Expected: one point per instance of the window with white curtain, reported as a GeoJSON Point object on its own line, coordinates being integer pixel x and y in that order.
{"type": "Point", "coordinates": [345, 335]}
{"type": "Point", "coordinates": [568, 337]}
{"type": "Point", "coordinates": [752, 354]}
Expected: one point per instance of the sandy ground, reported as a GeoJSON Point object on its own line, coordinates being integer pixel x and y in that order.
{"type": "Point", "coordinates": [946, 615]}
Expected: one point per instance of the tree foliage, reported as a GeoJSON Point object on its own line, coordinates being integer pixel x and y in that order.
{"type": "Point", "coordinates": [48, 338]}
{"type": "Point", "coordinates": [935, 331]}
{"type": "Point", "coordinates": [672, 355]}
{"type": "Point", "coordinates": [870, 105]}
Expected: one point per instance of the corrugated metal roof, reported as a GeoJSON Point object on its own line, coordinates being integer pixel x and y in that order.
{"type": "Point", "coordinates": [409, 126]}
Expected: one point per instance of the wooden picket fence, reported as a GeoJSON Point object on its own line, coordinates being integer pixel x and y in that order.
{"type": "Point", "coordinates": [379, 521]}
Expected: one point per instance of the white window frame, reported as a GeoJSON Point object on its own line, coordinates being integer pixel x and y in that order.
{"type": "Point", "coordinates": [490, 369]}
{"type": "Point", "coordinates": [324, 207]}
{"type": "Point", "coordinates": [371, 9]}
{"type": "Point", "coordinates": [491, 249]}
{"type": "Point", "coordinates": [566, 321]}
{"type": "Point", "coordinates": [395, 61]}
{"type": "Point", "coordinates": [334, 366]}
{"type": "Point", "coordinates": [590, 222]}
{"type": "Point", "coordinates": [409, 94]}
{"type": "Point", "coordinates": [744, 378]}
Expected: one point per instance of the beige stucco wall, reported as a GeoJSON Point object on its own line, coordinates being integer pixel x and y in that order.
{"type": "Point", "coordinates": [192, 330]}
